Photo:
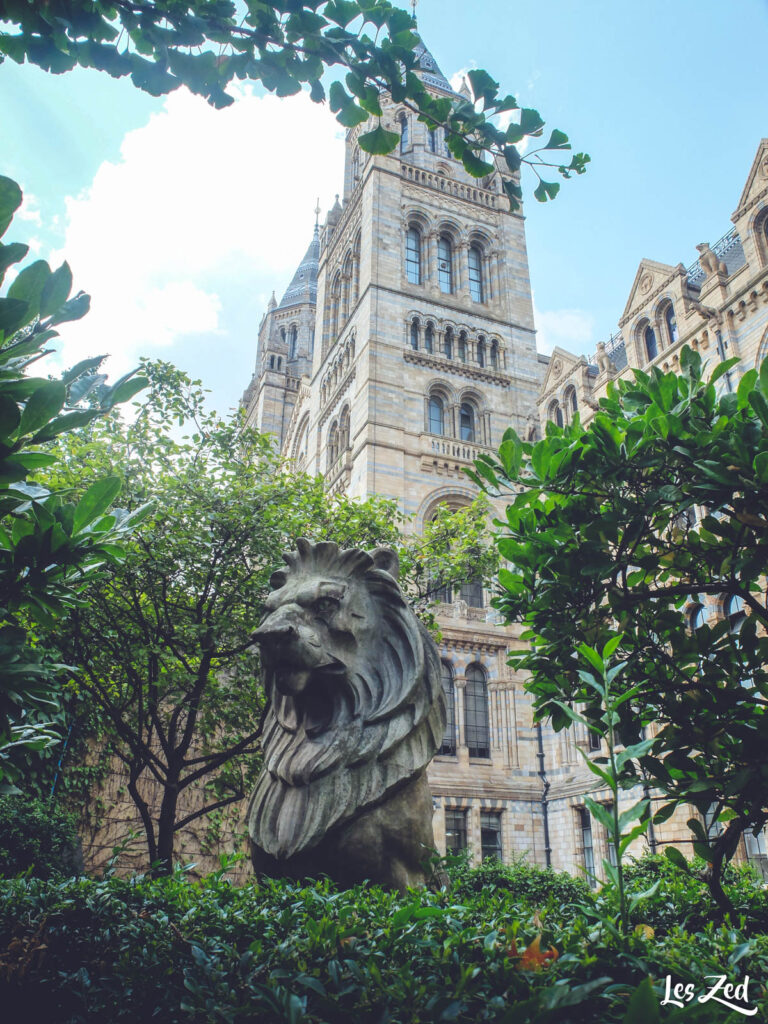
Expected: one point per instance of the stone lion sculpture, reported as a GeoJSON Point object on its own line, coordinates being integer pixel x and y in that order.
{"type": "Point", "coordinates": [355, 713]}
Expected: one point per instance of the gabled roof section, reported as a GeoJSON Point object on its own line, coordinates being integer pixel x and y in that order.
{"type": "Point", "coordinates": [561, 364]}
{"type": "Point", "coordinates": [650, 276]}
{"type": "Point", "coordinates": [757, 179]}
{"type": "Point", "coordinates": [428, 69]}
{"type": "Point", "coordinates": [303, 286]}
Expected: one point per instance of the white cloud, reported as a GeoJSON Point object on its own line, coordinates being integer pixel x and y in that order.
{"type": "Point", "coordinates": [571, 329]}
{"type": "Point", "coordinates": [202, 201]}
{"type": "Point", "coordinates": [30, 210]}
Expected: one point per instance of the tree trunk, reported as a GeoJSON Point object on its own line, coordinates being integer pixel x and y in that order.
{"type": "Point", "coordinates": [166, 828]}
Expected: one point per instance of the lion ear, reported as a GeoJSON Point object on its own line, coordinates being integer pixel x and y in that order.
{"type": "Point", "coordinates": [386, 559]}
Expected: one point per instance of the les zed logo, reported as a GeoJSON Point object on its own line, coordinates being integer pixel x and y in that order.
{"type": "Point", "coordinates": [735, 997]}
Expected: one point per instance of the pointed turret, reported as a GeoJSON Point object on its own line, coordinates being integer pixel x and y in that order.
{"type": "Point", "coordinates": [303, 286]}
{"type": "Point", "coordinates": [428, 70]}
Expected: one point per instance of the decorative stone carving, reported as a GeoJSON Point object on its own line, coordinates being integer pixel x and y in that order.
{"type": "Point", "coordinates": [710, 264]}
{"type": "Point", "coordinates": [604, 362]}
{"type": "Point", "coordinates": [355, 713]}
{"type": "Point", "coordinates": [646, 283]}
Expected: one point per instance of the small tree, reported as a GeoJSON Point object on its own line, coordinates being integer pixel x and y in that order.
{"type": "Point", "coordinates": [640, 523]}
{"type": "Point", "coordinates": [49, 545]}
{"type": "Point", "coordinates": [164, 640]}
{"type": "Point", "coordinates": [162, 44]}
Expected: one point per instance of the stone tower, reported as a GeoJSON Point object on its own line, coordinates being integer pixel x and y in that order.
{"type": "Point", "coordinates": [424, 354]}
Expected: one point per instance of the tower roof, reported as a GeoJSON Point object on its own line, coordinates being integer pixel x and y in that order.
{"type": "Point", "coordinates": [430, 72]}
{"type": "Point", "coordinates": [303, 286]}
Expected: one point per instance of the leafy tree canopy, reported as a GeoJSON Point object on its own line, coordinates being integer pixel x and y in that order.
{"type": "Point", "coordinates": [652, 522]}
{"type": "Point", "coordinates": [50, 545]}
{"type": "Point", "coordinates": [206, 44]}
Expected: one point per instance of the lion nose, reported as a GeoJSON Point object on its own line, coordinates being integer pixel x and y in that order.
{"type": "Point", "coordinates": [274, 633]}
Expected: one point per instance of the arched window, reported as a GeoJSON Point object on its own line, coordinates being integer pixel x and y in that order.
{"type": "Point", "coordinates": [335, 306]}
{"type": "Point", "coordinates": [413, 255]}
{"type": "Point", "coordinates": [344, 430]}
{"type": "Point", "coordinates": [293, 338]}
{"type": "Point", "coordinates": [467, 422]}
{"type": "Point", "coordinates": [429, 338]}
{"type": "Point", "coordinates": [651, 346]}
{"type": "Point", "coordinates": [477, 733]}
{"type": "Point", "coordinates": [556, 413]}
{"type": "Point", "coordinates": [404, 134]}
{"type": "Point", "coordinates": [448, 343]}
{"type": "Point", "coordinates": [436, 416]}
{"type": "Point", "coordinates": [481, 351]}
{"type": "Point", "coordinates": [415, 333]}
{"type": "Point", "coordinates": [671, 321]}
{"type": "Point", "coordinates": [333, 445]}
{"type": "Point", "coordinates": [734, 610]}
{"type": "Point", "coordinates": [463, 346]}
{"type": "Point", "coordinates": [698, 611]}
{"type": "Point", "coordinates": [471, 591]}
{"type": "Point", "coordinates": [571, 401]}
{"type": "Point", "coordinates": [355, 165]}
{"type": "Point", "coordinates": [301, 446]}
{"type": "Point", "coordinates": [432, 140]}
{"type": "Point", "coordinates": [476, 273]}
{"type": "Point", "coordinates": [445, 264]}
{"type": "Point", "coordinates": [271, 362]}
{"type": "Point", "coordinates": [495, 355]}
{"type": "Point", "coordinates": [448, 745]}
{"type": "Point", "coordinates": [279, 362]}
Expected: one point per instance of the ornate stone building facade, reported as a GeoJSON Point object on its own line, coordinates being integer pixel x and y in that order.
{"type": "Point", "coordinates": [402, 348]}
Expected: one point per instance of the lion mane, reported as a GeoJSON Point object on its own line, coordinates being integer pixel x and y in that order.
{"type": "Point", "coordinates": [355, 702]}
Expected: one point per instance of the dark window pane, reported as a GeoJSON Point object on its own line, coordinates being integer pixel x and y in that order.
{"type": "Point", "coordinates": [477, 733]}
{"type": "Point", "coordinates": [445, 264]}
{"type": "Point", "coordinates": [490, 834]}
{"type": "Point", "coordinates": [475, 273]}
{"type": "Point", "coordinates": [435, 416]}
{"type": "Point", "coordinates": [651, 348]}
{"type": "Point", "coordinates": [413, 256]}
{"type": "Point", "coordinates": [455, 831]}
{"type": "Point", "coordinates": [585, 823]}
{"type": "Point", "coordinates": [449, 739]}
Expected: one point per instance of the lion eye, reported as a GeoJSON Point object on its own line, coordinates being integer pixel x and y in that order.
{"type": "Point", "coordinates": [326, 606]}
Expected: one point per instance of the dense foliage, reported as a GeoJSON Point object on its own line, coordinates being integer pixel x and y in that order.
{"type": "Point", "coordinates": [37, 837]}
{"type": "Point", "coordinates": [206, 44]}
{"type": "Point", "coordinates": [136, 950]}
{"type": "Point", "coordinates": [645, 523]}
{"type": "Point", "coordinates": [50, 544]}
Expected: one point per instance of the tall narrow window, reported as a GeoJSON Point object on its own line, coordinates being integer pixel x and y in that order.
{"type": "Point", "coordinates": [476, 273]}
{"type": "Point", "coordinates": [651, 346]}
{"type": "Point", "coordinates": [481, 351]}
{"type": "Point", "coordinates": [585, 823]}
{"type": "Point", "coordinates": [556, 413]}
{"type": "Point", "coordinates": [448, 745]}
{"type": "Point", "coordinates": [671, 321]}
{"type": "Point", "coordinates": [448, 343]}
{"type": "Point", "coordinates": [333, 445]}
{"type": "Point", "coordinates": [463, 346]}
{"type": "Point", "coordinates": [436, 416]}
{"type": "Point", "coordinates": [476, 727]}
{"type": "Point", "coordinates": [472, 593]}
{"type": "Point", "coordinates": [490, 834]}
{"type": "Point", "coordinates": [414, 333]}
{"type": "Point", "coordinates": [432, 140]}
{"type": "Point", "coordinates": [467, 422]}
{"type": "Point", "coordinates": [344, 430]}
{"type": "Point", "coordinates": [356, 166]}
{"type": "Point", "coordinates": [293, 342]}
{"type": "Point", "coordinates": [413, 255]}
{"type": "Point", "coordinates": [573, 401]}
{"type": "Point", "coordinates": [494, 355]}
{"type": "Point", "coordinates": [271, 362]}
{"type": "Point", "coordinates": [404, 134]}
{"type": "Point", "coordinates": [455, 830]}
{"type": "Point", "coordinates": [445, 264]}
{"type": "Point", "coordinates": [429, 338]}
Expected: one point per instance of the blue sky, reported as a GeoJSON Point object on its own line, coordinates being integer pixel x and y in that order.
{"type": "Point", "coordinates": [180, 220]}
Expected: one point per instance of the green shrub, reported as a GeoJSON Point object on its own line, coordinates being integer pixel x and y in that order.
{"type": "Point", "coordinates": [38, 838]}
{"type": "Point", "coordinates": [170, 950]}
{"type": "Point", "coordinates": [531, 885]}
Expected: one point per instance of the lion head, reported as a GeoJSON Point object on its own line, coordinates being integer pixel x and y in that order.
{"type": "Point", "coordinates": [355, 705]}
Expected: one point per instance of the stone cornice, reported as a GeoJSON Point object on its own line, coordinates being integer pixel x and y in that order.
{"type": "Point", "coordinates": [434, 362]}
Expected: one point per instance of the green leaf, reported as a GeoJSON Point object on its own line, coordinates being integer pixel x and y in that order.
{"type": "Point", "coordinates": [546, 190]}
{"type": "Point", "coordinates": [379, 141]}
{"type": "Point", "coordinates": [42, 406]}
{"type": "Point", "coordinates": [28, 286]}
{"type": "Point", "coordinates": [591, 655]}
{"type": "Point", "coordinates": [673, 854]}
{"type": "Point", "coordinates": [643, 1006]}
{"type": "Point", "coordinates": [73, 309]}
{"type": "Point", "coordinates": [758, 402]}
{"type": "Point", "coordinates": [56, 290]}
{"type": "Point", "coordinates": [10, 201]}
{"type": "Point", "coordinates": [558, 140]}
{"type": "Point", "coordinates": [95, 501]}
{"type": "Point", "coordinates": [600, 813]}
{"type": "Point", "coordinates": [723, 368]}
{"type": "Point", "coordinates": [10, 254]}
{"type": "Point", "coordinates": [12, 314]}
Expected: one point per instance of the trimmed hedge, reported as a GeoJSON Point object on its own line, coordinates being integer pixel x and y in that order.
{"type": "Point", "coordinates": [172, 950]}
